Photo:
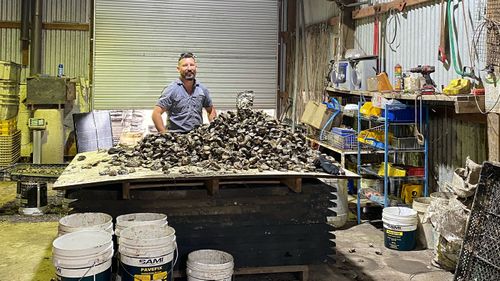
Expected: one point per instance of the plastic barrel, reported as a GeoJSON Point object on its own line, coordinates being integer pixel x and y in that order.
{"type": "Point", "coordinates": [209, 265]}
{"type": "Point", "coordinates": [85, 221]}
{"type": "Point", "coordinates": [147, 253]}
{"type": "Point", "coordinates": [32, 197]}
{"type": "Point", "coordinates": [400, 227]}
{"type": "Point", "coordinates": [83, 255]}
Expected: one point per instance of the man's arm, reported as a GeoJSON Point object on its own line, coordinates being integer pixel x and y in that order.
{"type": "Point", "coordinates": [157, 119]}
{"type": "Point", "coordinates": [211, 113]}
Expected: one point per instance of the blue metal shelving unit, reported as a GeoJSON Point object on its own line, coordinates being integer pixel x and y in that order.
{"type": "Point", "coordinates": [388, 150]}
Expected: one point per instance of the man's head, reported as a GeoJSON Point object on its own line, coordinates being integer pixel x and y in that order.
{"type": "Point", "coordinates": [187, 66]}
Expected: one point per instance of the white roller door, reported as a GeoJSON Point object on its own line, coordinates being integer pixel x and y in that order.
{"type": "Point", "coordinates": [137, 44]}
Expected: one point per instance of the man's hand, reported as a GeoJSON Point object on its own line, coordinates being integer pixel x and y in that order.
{"type": "Point", "coordinates": [157, 119]}
{"type": "Point", "coordinates": [211, 113]}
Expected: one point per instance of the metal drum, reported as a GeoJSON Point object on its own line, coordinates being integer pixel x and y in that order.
{"type": "Point", "coordinates": [32, 198]}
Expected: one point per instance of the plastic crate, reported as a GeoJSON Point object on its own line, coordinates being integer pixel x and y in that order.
{"type": "Point", "coordinates": [10, 71]}
{"type": "Point", "coordinates": [345, 139]}
{"type": "Point", "coordinates": [400, 115]}
{"type": "Point", "coordinates": [415, 171]}
{"type": "Point", "coordinates": [10, 149]}
{"type": "Point", "coordinates": [479, 258]}
{"type": "Point", "coordinates": [406, 142]}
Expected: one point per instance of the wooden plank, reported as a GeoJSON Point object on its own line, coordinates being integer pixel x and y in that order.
{"type": "Point", "coordinates": [212, 186]}
{"type": "Point", "coordinates": [399, 5]}
{"type": "Point", "coordinates": [78, 175]}
{"type": "Point", "coordinates": [494, 137]}
{"type": "Point", "coordinates": [295, 183]}
{"type": "Point", "coordinates": [126, 190]}
{"type": "Point", "coordinates": [50, 25]}
{"type": "Point", "coordinates": [66, 26]}
{"type": "Point", "coordinates": [271, 269]}
{"type": "Point", "coordinates": [303, 270]}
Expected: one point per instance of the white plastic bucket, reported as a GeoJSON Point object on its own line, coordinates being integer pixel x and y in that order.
{"type": "Point", "coordinates": [400, 227]}
{"type": "Point", "coordinates": [83, 255]}
{"type": "Point", "coordinates": [136, 219]}
{"type": "Point", "coordinates": [85, 221]}
{"type": "Point", "coordinates": [425, 236]}
{"type": "Point", "coordinates": [209, 265]}
{"type": "Point", "coordinates": [147, 253]}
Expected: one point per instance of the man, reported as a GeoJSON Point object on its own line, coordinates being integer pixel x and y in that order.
{"type": "Point", "coordinates": [183, 100]}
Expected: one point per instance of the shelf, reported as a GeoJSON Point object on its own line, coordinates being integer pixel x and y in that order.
{"type": "Point", "coordinates": [396, 150]}
{"type": "Point", "coordinates": [463, 103]}
{"type": "Point", "coordinates": [370, 172]}
{"type": "Point", "coordinates": [342, 151]}
{"type": "Point", "coordinates": [405, 96]}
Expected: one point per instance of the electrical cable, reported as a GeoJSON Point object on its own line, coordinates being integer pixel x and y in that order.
{"type": "Point", "coordinates": [452, 43]}
{"type": "Point", "coordinates": [392, 17]}
{"type": "Point", "coordinates": [420, 137]}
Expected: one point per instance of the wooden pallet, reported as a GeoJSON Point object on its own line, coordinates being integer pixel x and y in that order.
{"type": "Point", "coordinates": [212, 184]}
{"type": "Point", "coordinates": [301, 270]}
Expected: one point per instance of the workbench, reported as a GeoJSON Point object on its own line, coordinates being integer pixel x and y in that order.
{"type": "Point", "coordinates": [266, 219]}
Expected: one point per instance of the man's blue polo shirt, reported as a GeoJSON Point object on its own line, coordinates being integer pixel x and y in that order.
{"type": "Point", "coordinates": [184, 110]}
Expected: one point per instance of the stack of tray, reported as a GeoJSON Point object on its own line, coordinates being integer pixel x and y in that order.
{"type": "Point", "coordinates": [10, 149]}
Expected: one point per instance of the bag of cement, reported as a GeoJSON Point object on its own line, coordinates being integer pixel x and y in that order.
{"type": "Point", "coordinates": [449, 218]}
{"type": "Point", "coordinates": [465, 180]}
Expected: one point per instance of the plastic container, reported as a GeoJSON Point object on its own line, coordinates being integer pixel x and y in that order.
{"type": "Point", "coordinates": [400, 115]}
{"type": "Point", "coordinates": [400, 228]}
{"type": "Point", "coordinates": [136, 219]}
{"type": "Point", "coordinates": [205, 265]}
{"type": "Point", "coordinates": [83, 255]}
{"type": "Point", "coordinates": [10, 71]}
{"type": "Point", "coordinates": [147, 253]}
{"type": "Point", "coordinates": [425, 237]}
{"type": "Point", "coordinates": [85, 221]}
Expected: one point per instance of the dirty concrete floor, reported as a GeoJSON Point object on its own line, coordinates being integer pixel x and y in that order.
{"type": "Point", "coordinates": [361, 255]}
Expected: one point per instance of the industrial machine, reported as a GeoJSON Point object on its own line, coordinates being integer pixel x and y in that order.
{"type": "Point", "coordinates": [352, 74]}
{"type": "Point", "coordinates": [362, 69]}
{"type": "Point", "coordinates": [341, 75]}
{"type": "Point", "coordinates": [49, 97]}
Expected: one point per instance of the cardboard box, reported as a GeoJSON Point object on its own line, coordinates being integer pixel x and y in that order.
{"type": "Point", "coordinates": [317, 114]}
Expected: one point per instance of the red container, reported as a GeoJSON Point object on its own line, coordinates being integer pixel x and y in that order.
{"type": "Point", "coordinates": [415, 171]}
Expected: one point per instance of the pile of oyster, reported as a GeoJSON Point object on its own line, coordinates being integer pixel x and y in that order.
{"type": "Point", "coordinates": [233, 142]}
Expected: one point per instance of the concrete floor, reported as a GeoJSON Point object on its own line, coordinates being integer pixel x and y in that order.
{"type": "Point", "coordinates": [361, 255]}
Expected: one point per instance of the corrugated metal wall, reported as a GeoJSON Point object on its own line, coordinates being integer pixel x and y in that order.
{"type": "Point", "coordinates": [68, 47]}
{"type": "Point", "coordinates": [10, 45]}
{"type": "Point", "coordinates": [417, 38]}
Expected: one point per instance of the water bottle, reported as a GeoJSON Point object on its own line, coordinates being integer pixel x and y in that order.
{"type": "Point", "coordinates": [60, 70]}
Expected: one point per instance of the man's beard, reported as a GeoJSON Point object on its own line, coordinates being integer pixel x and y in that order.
{"type": "Point", "coordinates": [189, 76]}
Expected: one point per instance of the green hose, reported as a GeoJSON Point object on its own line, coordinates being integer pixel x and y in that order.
{"type": "Point", "coordinates": [452, 43]}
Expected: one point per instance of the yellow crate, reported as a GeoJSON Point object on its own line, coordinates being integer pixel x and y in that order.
{"type": "Point", "coordinates": [8, 123]}
{"type": "Point", "coordinates": [10, 71]}
{"type": "Point", "coordinates": [391, 171]}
